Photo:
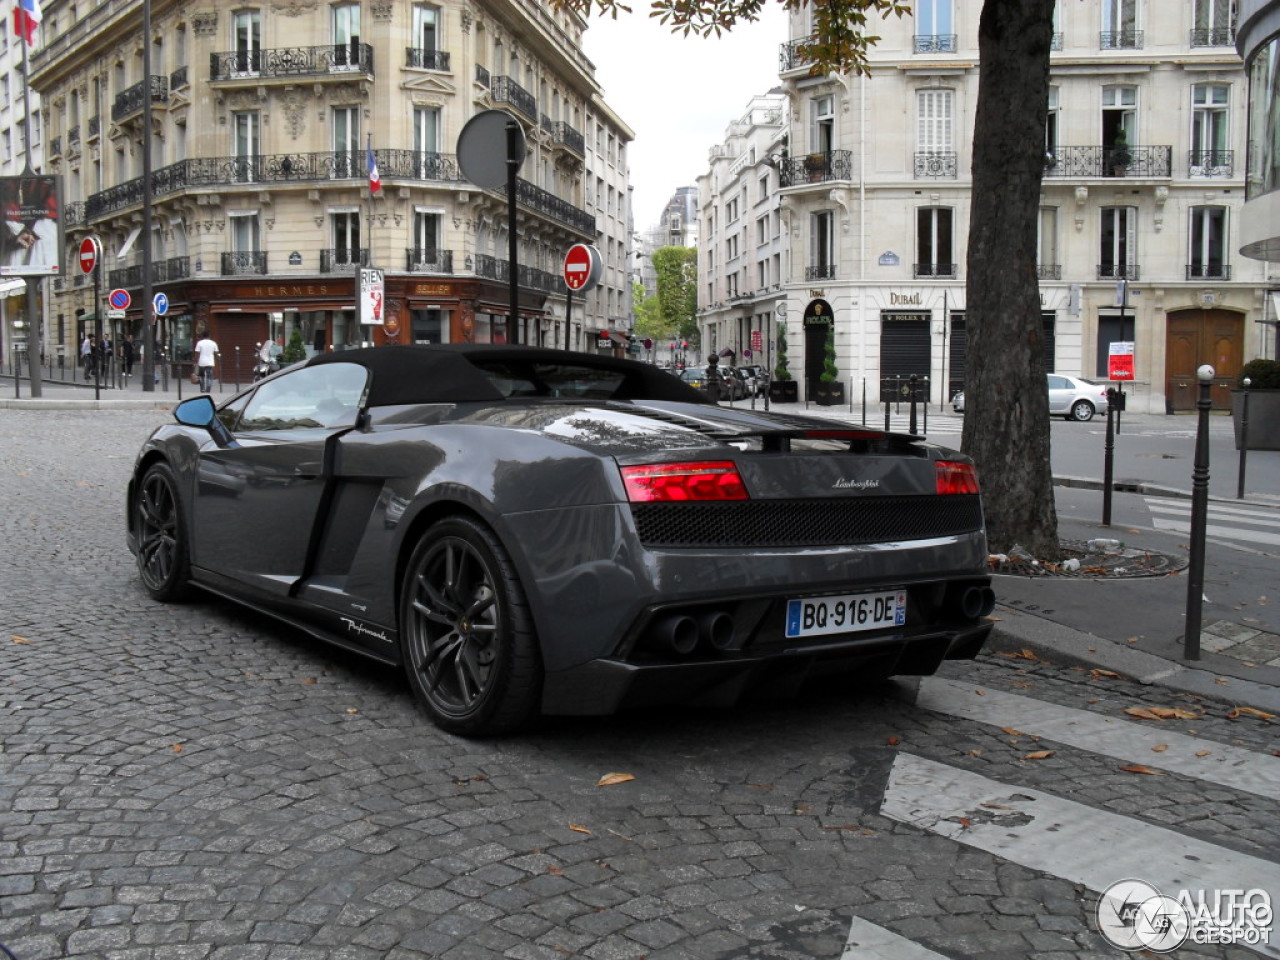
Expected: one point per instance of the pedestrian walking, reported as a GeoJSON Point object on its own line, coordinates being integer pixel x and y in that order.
{"type": "Point", "coordinates": [126, 356]}
{"type": "Point", "coordinates": [206, 351]}
{"type": "Point", "coordinates": [86, 356]}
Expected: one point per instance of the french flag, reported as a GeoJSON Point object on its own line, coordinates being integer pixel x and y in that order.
{"type": "Point", "coordinates": [375, 181]}
{"type": "Point", "coordinates": [26, 17]}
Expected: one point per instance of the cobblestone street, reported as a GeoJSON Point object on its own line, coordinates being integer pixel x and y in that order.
{"type": "Point", "coordinates": [197, 782]}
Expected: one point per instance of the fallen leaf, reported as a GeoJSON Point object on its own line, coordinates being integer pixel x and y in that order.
{"type": "Point", "coordinates": [352, 710]}
{"type": "Point", "coordinates": [609, 779]}
{"type": "Point", "coordinates": [579, 828]}
{"type": "Point", "coordinates": [1174, 713]}
{"type": "Point", "coordinates": [1133, 640]}
{"type": "Point", "coordinates": [893, 741]}
{"type": "Point", "coordinates": [975, 753]}
{"type": "Point", "coordinates": [1139, 768]}
{"type": "Point", "coordinates": [554, 870]}
{"type": "Point", "coordinates": [1203, 753]}
{"type": "Point", "coordinates": [996, 806]}
{"type": "Point", "coordinates": [177, 748]}
{"type": "Point", "coordinates": [867, 833]}
{"type": "Point", "coordinates": [1238, 712]}
{"type": "Point", "coordinates": [966, 823]}
{"type": "Point", "coordinates": [981, 693]}
{"type": "Point", "coordinates": [17, 639]}
{"type": "Point", "coordinates": [1160, 748]}
{"type": "Point", "coordinates": [1142, 712]}
{"type": "Point", "coordinates": [1221, 680]}
{"type": "Point", "coordinates": [1099, 672]}
{"type": "Point", "coordinates": [309, 680]}
{"type": "Point", "coordinates": [1013, 732]}
{"type": "Point", "coordinates": [1094, 700]}
{"type": "Point", "coordinates": [1039, 755]}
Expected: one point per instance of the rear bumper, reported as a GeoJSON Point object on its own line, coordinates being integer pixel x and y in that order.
{"type": "Point", "coordinates": [606, 685]}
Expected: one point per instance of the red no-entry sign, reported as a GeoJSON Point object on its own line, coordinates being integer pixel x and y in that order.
{"type": "Point", "coordinates": [582, 267]}
{"type": "Point", "coordinates": [90, 254]}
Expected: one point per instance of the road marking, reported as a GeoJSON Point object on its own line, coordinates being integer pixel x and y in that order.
{"type": "Point", "coordinates": [1063, 838]}
{"type": "Point", "coordinates": [870, 942]}
{"type": "Point", "coordinates": [1125, 740]}
{"type": "Point", "coordinates": [1235, 523]}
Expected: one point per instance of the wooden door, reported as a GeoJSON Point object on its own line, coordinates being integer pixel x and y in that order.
{"type": "Point", "coordinates": [1196, 337]}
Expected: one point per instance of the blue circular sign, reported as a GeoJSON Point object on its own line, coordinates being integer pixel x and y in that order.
{"type": "Point", "coordinates": [161, 304]}
{"type": "Point", "coordinates": [119, 299]}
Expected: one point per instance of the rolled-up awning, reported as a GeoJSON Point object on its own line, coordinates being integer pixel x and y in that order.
{"type": "Point", "coordinates": [11, 288]}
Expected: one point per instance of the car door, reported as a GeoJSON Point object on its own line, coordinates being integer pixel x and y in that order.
{"type": "Point", "coordinates": [1061, 393]}
{"type": "Point", "coordinates": [256, 503]}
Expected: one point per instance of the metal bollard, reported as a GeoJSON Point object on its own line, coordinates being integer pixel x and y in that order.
{"type": "Point", "coordinates": [1244, 436]}
{"type": "Point", "coordinates": [1199, 517]}
{"type": "Point", "coordinates": [1108, 457]}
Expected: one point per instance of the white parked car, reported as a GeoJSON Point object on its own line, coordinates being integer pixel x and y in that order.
{"type": "Point", "coordinates": [1072, 397]}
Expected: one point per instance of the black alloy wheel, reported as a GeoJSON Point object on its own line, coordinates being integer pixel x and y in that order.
{"type": "Point", "coordinates": [164, 559]}
{"type": "Point", "coordinates": [466, 635]}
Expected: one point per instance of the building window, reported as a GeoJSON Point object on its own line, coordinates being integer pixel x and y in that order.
{"type": "Point", "coordinates": [1117, 255]}
{"type": "Point", "coordinates": [822, 124]}
{"type": "Point", "coordinates": [426, 143]}
{"type": "Point", "coordinates": [935, 27]}
{"type": "Point", "coordinates": [246, 146]}
{"type": "Point", "coordinates": [1263, 164]}
{"type": "Point", "coordinates": [347, 157]}
{"type": "Point", "coordinates": [821, 246]}
{"type": "Point", "coordinates": [246, 27]}
{"type": "Point", "coordinates": [1119, 114]}
{"type": "Point", "coordinates": [346, 250]}
{"type": "Point", "coordinates": [1051, 128]}
{"type": "Point", "coordinates": [1120, 25]}
{"type": "Point", "coordinates": [935, 252]}
{"type": "Point", "coordinates": [426, 22]}
{"type": "Point", "coordinates": [346, 34]}
{"type": "Point", "coordinates": [1048, 266]}
{"type": "Point", "coordinates": [1208, 246]}
{"type": "Point", "coordinates": [935, 157]}
{"type": "Point", "coordinates": [1214, 23]}
{"type": "Point", "coordinates": [1209, 137]}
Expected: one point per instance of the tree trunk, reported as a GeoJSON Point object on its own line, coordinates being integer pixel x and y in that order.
{"type": "Point", "coordinates": [1006, 428]}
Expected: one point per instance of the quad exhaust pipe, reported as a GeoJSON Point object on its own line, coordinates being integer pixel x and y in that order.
{"type": "Point", "coordinates": [680, 634]}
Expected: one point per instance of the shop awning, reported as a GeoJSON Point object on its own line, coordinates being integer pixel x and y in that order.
{"type": "Point", "coordinates": [12, 287]}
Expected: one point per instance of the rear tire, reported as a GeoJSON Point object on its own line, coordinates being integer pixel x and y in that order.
{"type": "Point", "coordinates": [163, 549]}
{"type": "Point", "coordinates": [1082, 411]}
{"type": "Point", "coordinates": [466, 636]}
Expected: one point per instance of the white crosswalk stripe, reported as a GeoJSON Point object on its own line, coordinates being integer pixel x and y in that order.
{"type": "Point", "coordinates": [1061, 837]}
{"type": "Point", "coordinates": [1250, 525]}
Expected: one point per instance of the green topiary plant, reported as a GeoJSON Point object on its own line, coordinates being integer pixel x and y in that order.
{"type": "Point", "coordinates": [830, 372]}
{"type": "Point", "coordinates": [294, 351]}
{"type": "Point", "coordinates": [1263, 374]}
{"type": "Point", "coordinates": [780, 371]}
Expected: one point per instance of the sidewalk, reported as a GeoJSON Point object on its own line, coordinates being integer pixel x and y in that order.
{"type": "Point", "coordinates": [1131, 626]}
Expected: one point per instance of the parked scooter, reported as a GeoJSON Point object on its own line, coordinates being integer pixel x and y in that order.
{"type": "Point", "coordinates": [266, 365]}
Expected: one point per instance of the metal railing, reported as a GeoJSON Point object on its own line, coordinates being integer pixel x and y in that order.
{"type": "Point", "coordinates": [178, 78]}
{"type": "Point", "coordinates": [428, 261]}
{"type": "Point", "coordinates": [1208, 271]}
{"type": "Point", "coordinates": [563, 133]}
{"type": "Point", "coordinates": [538, 199]}
{"type": "Point", "coordinates": [1048, 271]}
{"type": "Point", "coordinates": [130, 100]}
{"type": "Point", "coordinates": [1213, 37]}
{"type": "Point", "coordinates": [1118, 271]}
{"type": "Point", "coordinates": [507, 90]}
{"type": "Point", "coordinates": [343, 258]}
{"type": "Point", "coordinates": [288, 62]}
{"type": "Point", "coordinates": [494, 269]}
{"type": "Point", "coordinates": [825, 271]}
{"type": "Point", "coordinates": [162, 271]}
{"type": "Point", "coordinates": [1210, 163]}
{"type": "Point", "coordinates": [935, 43]}
{"type": "Point", "coordinates": [935, 165]}
{"type": "Point", "coordinates": [793, 55]}
{"type": "Point", "coordinates": [482, 75]}
{"type": "Point", "coordinates": [1120, 40]}
{"type": "Point", "coordinates": [934, 270]}
{"type": "Point", "coordinates": [1099, 161]}
{"type": "Point", "coordinates": [815, 168]}
{"type": "Point", "coordinates": [421, 59]}
{"type": "Point", "coordinates": [243, 262]}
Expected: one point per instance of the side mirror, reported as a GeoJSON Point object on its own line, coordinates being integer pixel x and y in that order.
{"type": "Point", "coordinates": [201, 412]}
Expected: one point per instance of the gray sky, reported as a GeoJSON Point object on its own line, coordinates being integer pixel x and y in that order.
{"type": "Point", "coordinates": [679, 93]}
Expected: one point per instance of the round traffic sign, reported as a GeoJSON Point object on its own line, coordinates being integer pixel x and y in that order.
{"type": "Point", "coordinates": [90, 254]}
{"type": "Point", "coordinates": [160, 303]}
{"type": "Point", "coordinates": [582, 267]}
{"type": "Point", "coordinates": [119, 299]}
{"type": "Point", "coordinates": [484, 148]}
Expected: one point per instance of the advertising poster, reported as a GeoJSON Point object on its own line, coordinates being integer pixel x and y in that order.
{"type": "Point", "coordinates": [372, 290]}
{"type": "Point", "coordinates": [30, 241]}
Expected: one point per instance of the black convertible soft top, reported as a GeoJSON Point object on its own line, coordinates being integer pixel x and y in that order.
{"type": "Point", "coordinates": [471, 372]}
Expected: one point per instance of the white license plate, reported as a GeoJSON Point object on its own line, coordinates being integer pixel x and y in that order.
{"type": "Point", "coordinates": [847, 613]}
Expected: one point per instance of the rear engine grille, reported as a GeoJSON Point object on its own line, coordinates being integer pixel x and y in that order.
{"type": "Point", "coordinates": [806, 523]}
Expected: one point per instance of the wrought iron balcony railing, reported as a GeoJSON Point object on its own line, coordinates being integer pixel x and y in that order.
{"type": "Point", "coordinates": [95, 125]}
{"type": "Point", "coordinates": [562, 133]}
{"type": "Point", "coordinates": [1048, 271]}
{"type": "Point", "coordinates": [1120, 40]}
{"type": "Point", "coordinates": [1078, 162]}
{"type": "Point", "coordinates": [1055, 43]}
{"type": "Point", "coordinates": [1118, 271]}
{"type": "Point", "coordinates": [482, 76]}
{"type": "Point", "coordinates": [822, 271]}
{"type": "Point", "coordinates": [1213, 37]}
{"type": "Point", "coordinates": [421, 59]}
{"type": "Point", "coordinates": [793, 55]}
{"type": "Point", "coordinates": [243, 262]}
{"type": "Point", "coordinates": [935, 270]}
{"type": "Point", "coordinates": [935, 165]}
{"type": "Point", "coordinates": [538, 199]}
{"type": "Point", "coordinates": [1210, 163]}
{"type": "Point", "coordinates": [275, 168]}
{"type": "Point", "coordinates": [343, 258]}
{"type": "Point", "coordinates": [162, 271]}
{"type": "Point", "coordinates": [55, 147]}
{"type": "Point", "coordinates": [428, 261]}
{"type": "Point", "coordinates": [815, 168]}
{"type": "Point", "coordinates": [494, 269]}
{"type": "Point", "coordinates": [935, 43]}
{"type": "Point", "coordinates": [73, 213]}
{"type": "Point", "coordinates": [178, 78]}
{"type": "Point", "coordinates": [73, 136]}
{"type": "Point", "coordinates": [506, 90]}
{"type": "Point", "coordinates": [130, 100]}
{"type": "Point", "coordinates": [289, 62]}
{"type": "Point", "coordinates": [1208, 271]}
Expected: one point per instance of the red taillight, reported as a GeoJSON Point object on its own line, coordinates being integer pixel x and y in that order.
{"type": "Point", "coordinates": [708, 480]}
{"type": "Point", "coordinates": [953, 477]}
